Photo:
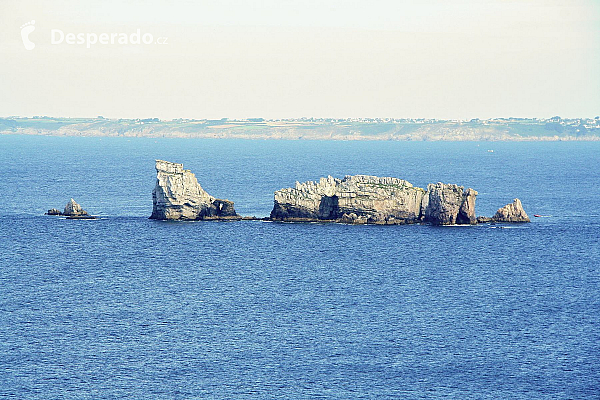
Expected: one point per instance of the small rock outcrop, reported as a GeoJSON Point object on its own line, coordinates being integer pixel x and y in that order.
{"type": "Point", "coordinates": [178, 196]}
{"type": "Point", "coordinates": [72, 211]}
{"type": "Point", "coordinates": [362, 199]}
{"type": "Point", "coordinates": [512, 212]}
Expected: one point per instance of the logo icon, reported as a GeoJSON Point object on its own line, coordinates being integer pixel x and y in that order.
{"type": "Point", "coordinates": [26, 29]}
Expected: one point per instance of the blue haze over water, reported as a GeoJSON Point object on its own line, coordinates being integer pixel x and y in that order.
{"type": "Point", "coordinates": [126, 307]}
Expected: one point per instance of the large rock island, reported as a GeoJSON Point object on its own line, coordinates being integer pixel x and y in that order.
{"type": "Point", "coordinates": [369, 199]}
{"type": "Point", "coordinates": [178, 196]}
{"type": "Point", "coordinates": [362, 199]}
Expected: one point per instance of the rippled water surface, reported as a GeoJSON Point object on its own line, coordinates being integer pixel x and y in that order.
{"type": "Point", "coordinates": [125, 307]}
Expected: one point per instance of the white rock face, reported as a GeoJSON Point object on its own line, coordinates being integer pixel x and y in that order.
{"type": "Point", "coordinates": [369, 199]}
{"type": "Point", "coordinates": [72, 209]}
{"type": "Point", "coordinates": [178, 196]}
{"type": "Point", "coordinates": [358, 197]}
{"type": "Point", "coordinates": [513, 212]}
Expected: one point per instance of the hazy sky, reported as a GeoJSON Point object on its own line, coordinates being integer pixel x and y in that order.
{"type": "Point", "coordinates": [285, 59]}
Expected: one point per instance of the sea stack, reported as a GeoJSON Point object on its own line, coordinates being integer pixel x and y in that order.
{"type": "Point", "coordinates": [448, 204]}
{"type": "Point", "coordinates": [72, 211]}
{"type": "Point", "coordinates": [512, 212]}
{"type": "Point", "coordinates": [178, 196]}
{"type": "Point", "coordinates": [362, 199]}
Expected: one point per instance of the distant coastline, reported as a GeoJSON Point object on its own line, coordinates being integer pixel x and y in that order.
{"type": "Point", "coordinates": [497, 129]}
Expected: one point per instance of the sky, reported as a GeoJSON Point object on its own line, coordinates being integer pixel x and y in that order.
{"type": "Point", "coordinates": [445, 59]}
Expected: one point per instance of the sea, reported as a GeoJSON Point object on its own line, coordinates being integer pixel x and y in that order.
{"type": "Point", "coordinates": [123, 307]}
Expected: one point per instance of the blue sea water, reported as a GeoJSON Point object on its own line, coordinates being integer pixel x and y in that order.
{"type": "Point", "coordinates": [126, 307]}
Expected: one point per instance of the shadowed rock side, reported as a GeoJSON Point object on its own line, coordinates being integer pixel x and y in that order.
{"type": "Point", "coordinates": [178, 196]}
{"type": "Point", "coordinates": [362, 199]}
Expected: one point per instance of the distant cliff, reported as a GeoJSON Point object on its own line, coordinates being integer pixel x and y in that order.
{"type": "Point", "coordinates": [509, 129]}
{"type": "Point", "coordinates": [178, 196]}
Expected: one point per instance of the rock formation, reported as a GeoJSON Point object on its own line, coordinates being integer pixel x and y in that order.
{"type": "Point", "coordinates": [447, 204]}
{"type": "Point", "coordinates": [354, 199]}
{"type": "Point", "coordinates": [364, 199]}
{"type": "Point", "coordinates": [178, 196]}
{"type": "Point", "coordinates": [72, 211]}
{"type": "Point", "coordinates": [512, 212]}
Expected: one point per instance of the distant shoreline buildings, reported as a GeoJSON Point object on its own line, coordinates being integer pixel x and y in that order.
{"type": "Point", "coordinates": [495, 129]}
